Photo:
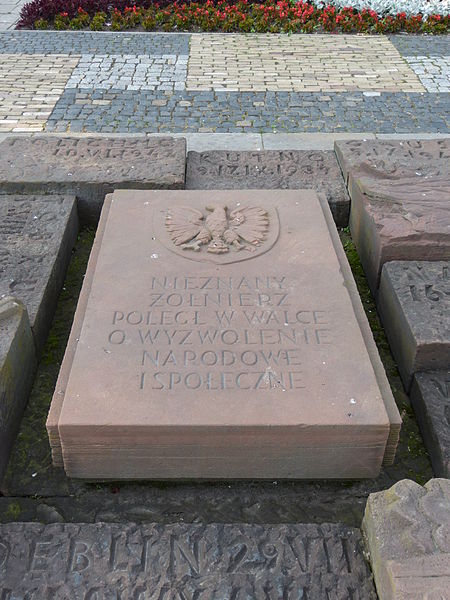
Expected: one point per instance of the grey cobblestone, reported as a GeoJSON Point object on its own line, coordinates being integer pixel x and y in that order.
{"type": "Point", "coordinates": [433, 72]}
{"type": "Point", "coordinates": [428, 45]}
{"type": "Point", "coordinates": [127, 72]}
{"type": "Point", "coordinates": [224, 112]}
{"type": "Point", "coordinates": [91, 42]}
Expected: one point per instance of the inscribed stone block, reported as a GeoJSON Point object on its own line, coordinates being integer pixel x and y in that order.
{"type": "Point", "coordinates": [400, 207]}
{"type": "Point", "coordinates": [90, 167]}
{"type": "Point", "coordinates": [407, 532]}
{"type": "Point", "coordinates": [430, 397]}
{"type": "Point", "coordinates": [271, 169]}
{"type": "Point", "coordinates": [414, 305]}
{"type": "Point", "coordinates": [217, 349]}
{"type": "Point", "coordinates": [37, 234]}
{"type": "Point", "coordinates": [17, 366]}
{"type": "Point", "coordinates": [214, 561]}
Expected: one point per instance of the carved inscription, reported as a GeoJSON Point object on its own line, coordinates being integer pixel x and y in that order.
{"type": "Point", "coordinates": [414, 303]}
{"type": "Point", "coordinates": [254, 340]}
{"type": "Point", "coordinates": [50, 159]}
{"type": "Point", "coordinates": [414, 157]}
{"type": "Point", "coordinates": [271, 169]}
{"type": "Point", "coordinates": [31, 231]}
{"type": "Point", "coordinates": [180, 562]}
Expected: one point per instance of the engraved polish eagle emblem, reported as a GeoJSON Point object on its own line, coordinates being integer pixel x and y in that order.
{"type": "Point", "coordinates": [221, 230]}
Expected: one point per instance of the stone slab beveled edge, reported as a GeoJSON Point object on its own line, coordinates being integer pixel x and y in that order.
{"type": "Point", "coordinates": [396, 562]}
{"type": "Point", "coordinates": [17, 367]}
{"type": "Point", "coordinates": [395, 419]}
{"type": "Point", "coordinates": [58, 395]}
{"type": "Point", "coordinates": [430, 407]}
{"type": "Point", "coordinates": [398, 331]}
{"type": "Point", "coordinates": [56, 276]}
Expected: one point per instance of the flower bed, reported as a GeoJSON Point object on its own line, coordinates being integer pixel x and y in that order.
{"type": "Point", "coordinates": [225, 15]}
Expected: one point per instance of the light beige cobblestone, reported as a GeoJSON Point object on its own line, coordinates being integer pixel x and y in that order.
{"type": "Point", "coordinates": [260, 62]}
{"type": "Point", "coordinates": [30, 86]}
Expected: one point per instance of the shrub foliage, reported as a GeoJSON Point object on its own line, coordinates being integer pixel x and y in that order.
{"type": "Point", "coordinates": [271, 16]}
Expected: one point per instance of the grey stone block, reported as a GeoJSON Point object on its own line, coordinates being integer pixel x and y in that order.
{"type": "Point", "coordinates": [110, 561]}
{"type": "Point", "coordinates": [272, 169]}
{"type": "Point", "coordinates": [407, 532]}
{"type": "Point", "coordinates": [430, 397]}
{"type": "Point", "coordinates": [89, 167]}
{"type": "Point", "coordinates": [414, 305]}
{"type": "Point", "coordinates": [37, 234]}
{"type": "Point", "coordinates": [17, 366]}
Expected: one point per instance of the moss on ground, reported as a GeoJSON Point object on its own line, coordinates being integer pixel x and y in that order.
{"type": "Point", "coordinates": [411, 444]}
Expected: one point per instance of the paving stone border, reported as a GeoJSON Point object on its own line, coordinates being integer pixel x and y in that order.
{"type": "Point", "coordinates": [225, 112]}
{"type": "Point", "coordinates": [430, 397]}
{"type": "Point", "coordinates": [89, 168]}
{"type": "Point", "coordinates": [90, 42]}
{"type": "Point", "coordinates": [407, 533]}
{"type": "Point", "coordinates": [37, 235]}
{"type": "Point", "coordinates": [17, 367]}
{"type": "Point", "coordinates": [108, 561]}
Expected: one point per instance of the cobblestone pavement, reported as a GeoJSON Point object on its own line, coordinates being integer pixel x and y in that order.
{"type": "Point", "coordinates": [225, 83]}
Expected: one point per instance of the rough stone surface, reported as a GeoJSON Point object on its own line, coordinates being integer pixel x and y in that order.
{"type": "Point", "coordinates": [271, 169]}
{"type": "Point", "coordinates": [414, 305]}
{"type": "Point", "coordinates": [37, 234]}
{"type": "Point", "coordinates": [194, 394]}
{"type": "Point", "coordinates": [430, 397]}
{"type": "Point", "coordinates": [390, 158]}
{"type": "Point", "coordinates": [407, 529]}
{"type": "Point", "coordinates": [399, 194]}
{"type": "Point", "coordinates": [155, 561]}
{"type": "Point", "coordinates": [90, 167]}
{"type": "Point", "coordinates": [17, 366]}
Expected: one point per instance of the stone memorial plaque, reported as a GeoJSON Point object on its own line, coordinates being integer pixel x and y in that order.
{"type": "Point", "coordinates": [214, 561]}
{"type": "Point", "coordinates": [37, 234]}
{"type": "Point", "coordinates": [215, 328]}
{"type": "Point", "coordinates": [17, 366]}
{"type": "Point", "coordinates": [400, 207]}
{"type": "Point", "coordinates": [90, 167]}
{"type": "Point", "coordinates": [272, 169]}
{"type": "Point", "coordinates": [407, 532]}
{"type": "Point", "coordinates": [393, 157]}
{"type": "Point", "coordinates": [414, 305]}
{"type": "Point", "coordinates": [430, 397]}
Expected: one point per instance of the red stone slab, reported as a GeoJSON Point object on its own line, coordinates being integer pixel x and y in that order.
{"type": "Point", "coordinates": [233, 364]}
{"type": "Point", "coordinates": [400, 200]}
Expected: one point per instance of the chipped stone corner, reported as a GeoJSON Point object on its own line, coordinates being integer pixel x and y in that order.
{"type": "Point", "coordinates": [406, 530]}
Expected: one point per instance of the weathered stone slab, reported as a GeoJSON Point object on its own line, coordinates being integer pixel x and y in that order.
{"type": "Point", "coordinates": [89, 167]}
{"type": "Point", "coordinates": [430, 397]}
{"type": "Point", "coordinates": [400, 207]}
{"type": "Point", "coordinates": [182, 418]}
{"type": "Point", "coordinates": [271, 169]}
{"type": "Point", "coordinates": [17, 366]}
{"type": "Point", "coordinates": [110, 561]}
{"type": "Point", "coordinates": [392, 158]}
{"type": "Point", "coordinates": [37, 234]}
{"type": "Point", "coordinates": [407, 532]}
{"type": "Point", "coordinates": [414, 305]}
